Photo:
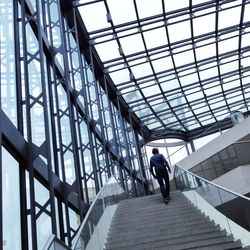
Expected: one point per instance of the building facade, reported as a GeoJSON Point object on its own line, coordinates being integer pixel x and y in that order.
{"type": "Point", "coordinates": [62, 132]}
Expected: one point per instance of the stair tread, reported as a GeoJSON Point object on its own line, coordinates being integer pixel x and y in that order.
{"type": "Point", "coordinates": [147, 223]}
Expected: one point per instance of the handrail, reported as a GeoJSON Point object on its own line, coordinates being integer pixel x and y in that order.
{"type": "Point", "coordinates": [117, 193]}
{"type": "Point", "coordinates": [217, 203]}
{"type": "Point", "coordinates": [87, 214]}
{"type": "Point", "coordinates": [212, 183]}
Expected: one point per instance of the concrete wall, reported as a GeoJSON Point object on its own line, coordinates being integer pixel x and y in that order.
{"type": "Point", "coordinates": [234, 134]}
{"type": "Point", "coordinates": [237, 180]}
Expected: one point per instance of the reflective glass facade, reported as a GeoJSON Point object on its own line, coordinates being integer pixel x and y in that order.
{"type": "Point", "coordinates": [62, 134]}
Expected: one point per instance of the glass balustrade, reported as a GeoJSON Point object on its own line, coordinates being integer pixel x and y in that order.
{"type": "Point", "coordinates": [228, 209]}
{"type": "Point", "coordinates": [93, 231]}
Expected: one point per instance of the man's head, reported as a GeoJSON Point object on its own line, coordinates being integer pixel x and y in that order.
{"type": "Point", "coordinates": [155, 151]}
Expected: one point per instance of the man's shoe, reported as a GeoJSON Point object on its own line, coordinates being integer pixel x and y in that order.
{"type": "Point", "coordinates": [166, 200]}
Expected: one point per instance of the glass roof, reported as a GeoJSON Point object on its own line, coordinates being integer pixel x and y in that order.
{"type": "Point", "coordinates": [179, 65]}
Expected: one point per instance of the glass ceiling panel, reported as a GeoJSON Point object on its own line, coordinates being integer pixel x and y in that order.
{"type": "Point", "coordinates": [179, 31]}
{"type": "Point", "coordinates": [108, 50]}
{"type": "Point", "coordinates": [190, 78]}
{"type": "Point", "coordinates": [141, 70]}
{"type": "Point", "coordinates": [132, 44]}
{"type": "Point", "coordinates": [155, 38]}
{"type": "Point", "coordinates": [229, 17]}
{"type": "Point", "coordinates": [91, 22]}
{"type": "Point", "coordinates": [153, 90]}
{"type": "Point", "coordinates": [175, 5]}
{"type": "Point", "coordinates": [132, 96]}
{"type": "Point", "coordinates": [228, 45]}
{"type": "Point", "coordinates": [120, 76]}
{"type": "Point", "coordinates": [247, 13]}
{"type": "Point", "coordinates": [228, 67]}
{"type": "Point", "coordinates": [170, 84]}
{"type": "Point", "coordinates": [162, 64]}
{"type": "Point", "coordinates": [122, 11]}
{"type": "Point", "coordinates": [205, 52]}
{"type": "Point", "coordinates": [204, 24]}
{"type": "Point", "coordinates": [184, 58]}
{"type": "Point", "coordinates": [148, 8]}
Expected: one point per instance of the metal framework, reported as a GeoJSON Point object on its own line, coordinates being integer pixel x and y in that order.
{"type": "Point", "coordinates": [62, 133]}
{"type": "Point", "coordinates": [85, 84]}
{"type": "Point", "coordinates": [182, 67]}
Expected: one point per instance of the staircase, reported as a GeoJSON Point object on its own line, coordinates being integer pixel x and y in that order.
{"type": "Point", "coordinates": [147, 223]}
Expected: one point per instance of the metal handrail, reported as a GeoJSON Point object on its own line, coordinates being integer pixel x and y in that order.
{"type": "Point", "coordinates": [87, 215]}
{"type": "Point", "coordinates": [211, 183]}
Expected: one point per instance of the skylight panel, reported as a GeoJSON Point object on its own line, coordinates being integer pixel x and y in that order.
{"type": "Point", "coordinates": [170, 84]}
{"type": "Point", "coordinates": [90, 13]}
{"type": "Point", "coordinates": [152, 90]}
{"type": "Point", "coordinates": [108, 50]}
{"type": "Point", "coordinates": [208, 73]}
{"type": "Point", "coordinates": [228, 45]}
{"type": "Point", "coordinates": [213, 90]}
{"type": "Point", "coordinates": [120, 76]}
{"type": "Point", "coordinates": [229, 17]}
{"type": "Point", "coordinates": [245, 62]}
{"type": "Point", "coordinates": [234, 97]}
{"type": "Point", "coordinates": [204, 24]}
{"type": "Point", "coordinates": [208, 121]}
{"type": "Point", "coordinates": [132, 96]}
{"type": "Point", "coordinates": [171, 5]}
{"type": "Point", "coordinates": [184, 58]}
{"type": "Point", "coordinates": [148, 8]}
{"type": "Point", "coordinates": [154, 125]}
{"type": "Point", "coordinates": [144, 112]}
{"type": "Point", "coordinates": [246, 82]}
{"type": "Point", "coordinates": [132, 44]}
{"type": "Point", "coordinates": [188, 79]}
{"type": "Point", "coordinates": [247, 13]}
{"type": "Point", "coordinates": [162, 64]}
{"type": "Point", "coordinates": [142, 70]}
{"type": "Point", "coordinates": [218, 104]}
{"type": "Point", "coordinates": [228, 67]}
{"type": "Point", "coordinates": [205, 52]}
{"type": "Point", "coordinates": [195, 96]}
{"type": "Point", "coordinates": [245, 40]}
{"type": "Point", "coordinates": [179, 31]}
{"type": "Point", "coordinates": [200, 109]}
{"type": "Point", "coordinates": [231, 85]}
{"type": "Point", "coordinates": [155, 38]}
{"type": "Point", "coordinates": [122, 11]}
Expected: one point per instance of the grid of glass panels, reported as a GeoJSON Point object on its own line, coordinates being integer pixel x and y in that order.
{"type": "Point", "coordinates": [179, 65]}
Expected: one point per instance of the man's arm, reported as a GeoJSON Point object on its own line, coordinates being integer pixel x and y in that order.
{"type": "Point", "coordinates": [166, 163]}
{"type": "Point", "coordinates": [151, 169]}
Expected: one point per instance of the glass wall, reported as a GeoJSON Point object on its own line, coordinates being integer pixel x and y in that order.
{"type": "Point", "coordinates": [64, 135]}
{"type": "Point", "coordinates": [11, 210]}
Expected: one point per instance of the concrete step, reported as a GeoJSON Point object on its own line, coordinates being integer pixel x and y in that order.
{"type": "Point", "coordinates": [161, 230]}
{"type": "Point", "coordinates": [165, 231]}
{"type": "Point", "coordinates": [147, 223]}
{"type": "Point", "coordinates": [156, 215]}
{"type": "Point", "coordinates": [169, 222]}
{"type": "Point", "coordinates": [222, 241]}
{"type": "Point", "coordinates": [170, 239]}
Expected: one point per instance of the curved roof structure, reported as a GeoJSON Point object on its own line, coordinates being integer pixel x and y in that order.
{"type": "Point", "coordinates": [181, 66]}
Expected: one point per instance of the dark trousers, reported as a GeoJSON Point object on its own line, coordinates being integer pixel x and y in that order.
{"type": "Point", "coordinates": [163, 181]}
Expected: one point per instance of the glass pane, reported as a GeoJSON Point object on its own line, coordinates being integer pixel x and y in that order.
{"type": "Point", "coordinates": [10, 202]}
{"type": "Point", "coordinates": [7, 59]}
